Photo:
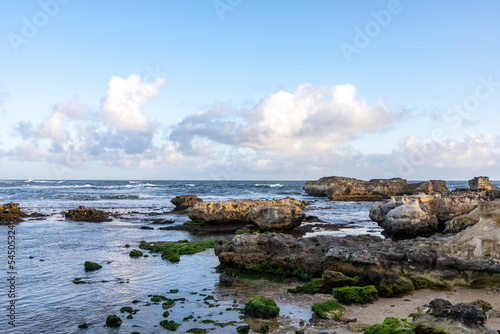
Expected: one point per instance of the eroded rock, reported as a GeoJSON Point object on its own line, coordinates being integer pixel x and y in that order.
{"type": "Point", "coordinates": [276, 217]}
{"type": "Point", "coordinates": [234, 210]}
{"type": "Point", "coordinates": [184, 202]}
{"type": "Point", "coordinates": [10, 213]}
{"type": "Point", "coordinates": [350, 189]}
{"type": "Point", "coordinates": [461, 318]}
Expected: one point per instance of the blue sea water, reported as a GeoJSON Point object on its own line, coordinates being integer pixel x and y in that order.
{"type": "Point", "coordinates": [50, 253]}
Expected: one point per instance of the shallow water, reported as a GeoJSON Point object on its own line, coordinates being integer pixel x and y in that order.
{"type": "Point", "coordinates": [47, 300]}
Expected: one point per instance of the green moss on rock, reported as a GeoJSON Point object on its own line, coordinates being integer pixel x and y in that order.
{"type": "Point", "coordinates": [392, 325]}
{"type": "Point", "coordinates": [135, 253]}
{"type": "Point", "coordinates": [172, 250]}
{"type": "Point", "coordinates": [329, 310]}
{"type": "Point", "coordinates": [169, 324]}
{"type": "Point", "coordinates": [261, 307]}
{"type": "Point", "coordinates": [399, 287]}
{"type": "Point", "coordinates": [91, 266]}
{"type": "Point", "coordinates": [355, 294]}
{"type": "Point", "coordinates": [83, 326]}
{"type": "Point", "coordinates": [113, 321]}
{"type": "Point", "coordinates": [168, 304]}
{"type": "Point", "coordinates": [244, 329]}
{"type": "Point", "coordinates": [264, 329]}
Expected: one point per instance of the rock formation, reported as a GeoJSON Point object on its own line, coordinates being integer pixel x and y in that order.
{"type": "Point", "coordinates": [184, 202]}
{"type": "Point", "coordinates": [276, 217]}
{"type": "Point", "coordinates": [443, 317]}
{"type": "Point", "coordinates": [87, 214]}
{"type": "Point", "coordinates": [421, 215]}
{"type": "Point", "coordinates": [10, 213]}
{"type": "Point", "coordinates": [394, 267]}
{"type": "Point", "coordinates": [235, 210]}
{"type": "Point", "coordinates": [482, 183]}
{"type": "Point", "coordinates": [350, 189]}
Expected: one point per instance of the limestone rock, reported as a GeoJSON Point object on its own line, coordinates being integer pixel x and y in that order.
{"type": "Point", "coordinates": [461, 318]}
{"type": "Point", "coordinates": [184, 202]}
{"type": "Point", "coordinates": [460, 223]}
{"type": "Point", "coordinates": [349, 189]}
{"type": "Point", "coordinates": [409, 220]}
{"type": "Point", "coordinates": [482, 183]}
{"type": "Point", "coordinates": [234, 210]}
{"type": "Point", "coordinates": [421, 215]}
{"type": "Point", "coordinates": [481, 241]}
{"type": "Point", "coordinates": [276, 217]}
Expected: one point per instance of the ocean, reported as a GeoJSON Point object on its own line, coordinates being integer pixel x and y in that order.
{"type": "Point", "coordinates": [50, 254]}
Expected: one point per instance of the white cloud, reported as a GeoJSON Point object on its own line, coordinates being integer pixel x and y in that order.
{"type": "Point", "coordinates": [311, 119]}
{"type": "Point", "coordinates": [125, 98]}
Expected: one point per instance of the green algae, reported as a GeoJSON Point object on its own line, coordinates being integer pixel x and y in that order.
{"type": "Point", "coordinates": [392, 325]}
{"type": "Point", "coordinates": [261, 307]}
{"type": "Point", "coordinates": [91, 266]}
{"type": "Point", "coordinates": [113, 321]}
{"type": "Point", "coordinates": [172, 250]}
{"type": "Point", "coordinates": [329, 310]}
{"type": "Point", "coordinates": [135, 253]}
{"type": "Point", "coordinates": [356, 294]}
{"type": "Point", "coordinates": [169, 324]}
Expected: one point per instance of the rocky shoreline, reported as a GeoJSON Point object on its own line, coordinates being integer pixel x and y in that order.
{"type": "Point", "coordinates": [435, 239]}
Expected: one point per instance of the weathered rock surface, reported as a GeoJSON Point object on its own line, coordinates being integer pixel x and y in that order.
{"type": "Point", "coordinates": [372, 259]}
{"type": "Point", "coordinates": [234, 210]}
{"type": "Point", "coordinates": [10, 213]}
{"type": "Point", "coordinates": [481, 241]}
{"type": "Point", "coordinates": [87, 214]}
{"type": "Point", "coordinates": [350, 189]}
{"type": "Point", "coordinates": [441, 316]}
{"type": "Point", "coordinates": [460, 223]}
{"type": "Point", "coordinates": [276, 217]}
{"type": "Point", "coordinates": [184, 202]}
{"type": "Point", "coordinates": [421, 215]}
{"type": "Point", "coordinates": [482, 183]}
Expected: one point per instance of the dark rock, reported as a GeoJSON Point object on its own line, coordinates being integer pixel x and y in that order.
{"type": "Point", "coordinates": [350, 189]}
{"type": "Point", "coordinates": [10, 213]}
{"type": "Point", "coordinates": [184, 202]}
{"type": "Point", "coordinates": [88, 215]}
{"type": "Point", "coordinates": [460, 318]}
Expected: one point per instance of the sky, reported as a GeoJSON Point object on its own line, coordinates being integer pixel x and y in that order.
{"type": "Point", "coordinates": [240, 89]}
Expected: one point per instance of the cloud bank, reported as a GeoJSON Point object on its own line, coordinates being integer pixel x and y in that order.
{"type": "Point", "coordinates": [304, 134]}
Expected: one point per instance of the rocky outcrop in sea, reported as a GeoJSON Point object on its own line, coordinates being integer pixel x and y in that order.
{"type": "Point", "coordinates": [339, 188]}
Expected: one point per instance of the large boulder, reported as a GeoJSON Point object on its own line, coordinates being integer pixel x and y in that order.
{"type": "Point", "coordinates": [443, 317]}
{"type": "Point", "coordinates": [87, 214]}
{"type": "Point", "coordinates": [235, 210]}
{"type": "Point", "coordinates": [421, 215]}
{"type": "Point", "coordinates": [184, 202]}
{"type": "Point", "coordinates": [409, 220]}
{"type": "Point", "coordinates": [276, 217]}
{"type": "Point", "coordinates": [350, 189]}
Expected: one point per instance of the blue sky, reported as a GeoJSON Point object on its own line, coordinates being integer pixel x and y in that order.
{"type": "Point", "coordinates": [239, 89]}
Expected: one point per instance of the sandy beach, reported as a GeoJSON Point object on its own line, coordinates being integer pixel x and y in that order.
{"type": "Point", "coordinates": [402, 307]}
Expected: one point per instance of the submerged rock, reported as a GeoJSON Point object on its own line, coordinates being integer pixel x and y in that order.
{"type": "Point", "coordinates": [113, 321]}
{"type": "Point", "coordinates": [276, 217]}
{"type": "Point", "coordinates": [184, 202]}
{"type": "Point", "coordinates": [220, 212]}
{"type": "Point", "coordinates": [350, 189]}
{"type": "Point", "coordinates": [91, 266]}
{"type": "Point", "coordinates": [443, 317]}
{"type": "Point", "coordinates": [89, 215]}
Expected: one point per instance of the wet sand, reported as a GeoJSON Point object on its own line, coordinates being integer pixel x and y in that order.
{"type": "Point", "coordinates": [402, 307]}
